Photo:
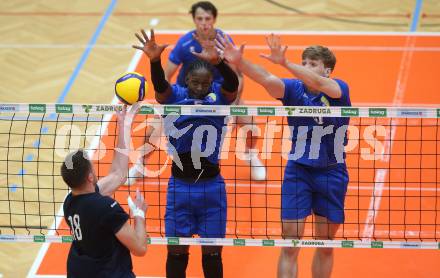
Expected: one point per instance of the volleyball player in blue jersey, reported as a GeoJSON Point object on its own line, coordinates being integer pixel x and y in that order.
{"type": "Point", "coordinates": [196, 197]}
{"type": "Point", "coordinates": [315, 177]}
{"type": "Point", "coordinates": [204, 15]}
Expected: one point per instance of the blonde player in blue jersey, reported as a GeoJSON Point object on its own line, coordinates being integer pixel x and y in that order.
{"type": "Point", "coordinates": [315, 177]}
{"type": "Point", "coordinates": [196, 196]}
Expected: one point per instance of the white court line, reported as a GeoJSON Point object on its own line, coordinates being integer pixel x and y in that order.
{"type": "Point", "coordinates": [381, 174]}
{"type": "Point", "coordinates": [355, 48]}
{"type": "Point", "coordinates": [257, 47]}
{"type": "Point", "coordinates": [253, 47]}
{"type": "Point", "coordinates": [311, 33]}
{"type": "Point", "coordinates": [93, 146]}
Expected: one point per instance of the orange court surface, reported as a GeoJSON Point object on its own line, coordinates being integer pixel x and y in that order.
{"type": "Point", "coordinates": [72, 52]}
{"type": "Point", "coordinates": [371, 65]}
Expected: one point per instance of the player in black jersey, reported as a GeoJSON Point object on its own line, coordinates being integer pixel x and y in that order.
{"type": "Point", "coordinates": [102, 236]}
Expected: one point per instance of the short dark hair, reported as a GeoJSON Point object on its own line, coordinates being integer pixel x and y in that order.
{"type": "Point", "coordinates": [199, 64]}
{"type": "Point", "coordinates": [75, 168]}
{"type": "Point", "coordinates": [318, 52]}
{"type": "Point", "coordinates": [205, 5]}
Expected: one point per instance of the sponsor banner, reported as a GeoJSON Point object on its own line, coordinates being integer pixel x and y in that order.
{"type": "Point", "coordinates": [377, 112]}
{"type": "Point", "coordinates": [376, 244]}
{"type": "Point", "coordinates": [172, 109]}
{"type": "Point", "coordinates": [347, 244]}
{"type": "Point", "coordinates": [410, 113]}
{"type": "Point", "coordinates": [295, 242]}
{"type": "Point", "coordinates": [349, 112]}
{"type": "Point", "coordinates": [324, 111]}
{"type": "Point", "coordinates": [9, 108]}
{"type": "Point", "coordinates": [7, 238]}
{"type": "Point", "coordinates": [206, 241]}
{"type": "Point", "coordinates": [63, 108]}
{"type": "Point", "coordinates": [266, 111]}
{"type": "Point", "coordinates": [239, 111]}
{"type": "Point", "coordinates": [66, 239]}
{"type": "Point", "coordinates": [173, 241]}
{"type": "Point", "coordinates": [268, 242]}
{"type": "Point", "coordinates": [242, 242]}
{"type": "Point", "coordinates": [87, 108]}
{"type": "Point", "coordinates": [290, 110]}
{"type": "Point", "coordinates": [239, 242]}
{"type": "Point", "coordinates": [146, 110]}
{"type": "Point", "coordinates": [312, 243]}
{"type": "Point", "coordinates": [215, 110]}
{"type": "Point", "coordinates": [107, 108]}
{"type": "Point", "coordinates": [410, 245]}
{"type": "Point", "coordinates": [39, 239]}
{"type": "Point", "coordinates": [37, 108]}
{"type": "Point", "coordinates": [204, 111]}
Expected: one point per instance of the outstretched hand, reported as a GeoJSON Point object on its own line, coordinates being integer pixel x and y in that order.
{"type": "Point", "coordinates": [230, 52]}
{"type": "Point", "coordinates": [277, 53]}
{"type": "Point", "coordinates": [126, 116]}
{"type": "Point", "coordinates": [149, 45]}
{"type": "Point", "coordinates": [140, 202]}
{"type": "Point", "coordinates": [138, 207]}
{"type": "Point", "coordinates": [209, 53]}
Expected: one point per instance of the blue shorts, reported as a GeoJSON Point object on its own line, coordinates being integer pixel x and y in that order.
{"type": "Point", "coordinates": [196, 208]}
{"type": "Point", "coordinates": [321, 190]}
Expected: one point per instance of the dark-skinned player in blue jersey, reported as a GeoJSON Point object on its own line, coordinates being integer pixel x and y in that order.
{"type": "Point", "coordinates": [204, 15]}
{"type": "Point", "coordinates": [196, 197]}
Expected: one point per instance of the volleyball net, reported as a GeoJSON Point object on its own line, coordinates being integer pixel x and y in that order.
{"type": "Point", "coordinates": [392, 157]}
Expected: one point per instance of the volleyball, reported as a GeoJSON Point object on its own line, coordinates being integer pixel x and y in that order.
{"type": "Point", "coordinates": [131, 87]}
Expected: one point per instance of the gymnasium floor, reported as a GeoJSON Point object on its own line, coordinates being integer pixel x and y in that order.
{"type": "Point", "coordinates": [379, 68]}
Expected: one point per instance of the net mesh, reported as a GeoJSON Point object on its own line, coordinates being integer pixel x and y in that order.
{"type": "Point", "coordinates": [392, 160]}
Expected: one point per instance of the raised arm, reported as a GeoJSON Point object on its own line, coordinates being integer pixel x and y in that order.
{"type": "Point", "coordinates": [153, 51]}
{"type": "Point", "coordinates": [314, 81]}
{"type": "Point", "coordinates": [273, 85]}
{"type": "Point", "coordinates": [170, 70]}
{"type": "Point", "coordinates": [230, 83]}
{"type": "Point", "coordinates": [311, 79]}
{"type": "Point", "coordinates": [119, 168]}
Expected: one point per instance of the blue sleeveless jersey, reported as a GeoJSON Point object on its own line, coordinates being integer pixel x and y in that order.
{"type": "Point", "coordinates": [195, 133]}
{"type": "Point", "coordinates": [307, 147]}
{"type": "Point", "coordinates": [181, 55]}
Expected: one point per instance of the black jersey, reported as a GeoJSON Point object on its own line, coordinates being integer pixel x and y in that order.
{"type": "Point", "coordinates": [96, 252]}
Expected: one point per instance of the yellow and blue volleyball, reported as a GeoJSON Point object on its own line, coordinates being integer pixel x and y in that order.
{"type": "Point", "coordinates": [131, 87]}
